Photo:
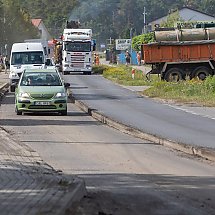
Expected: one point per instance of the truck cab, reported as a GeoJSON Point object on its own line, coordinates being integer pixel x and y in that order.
{"type": "Point", "coordinates": [77, 51]}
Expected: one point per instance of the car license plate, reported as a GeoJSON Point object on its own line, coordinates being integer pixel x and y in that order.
{"type": "Point", "coordinates": [42, 103]}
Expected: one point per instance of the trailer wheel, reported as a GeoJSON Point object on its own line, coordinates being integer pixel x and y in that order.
{"type": "Point", "coordinates": [201, 73]}
{"type": "Point", "coordinates": [174, 75]}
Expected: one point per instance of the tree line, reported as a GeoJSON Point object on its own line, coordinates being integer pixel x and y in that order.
{"type": "Point", "coordinates": [108, 18]}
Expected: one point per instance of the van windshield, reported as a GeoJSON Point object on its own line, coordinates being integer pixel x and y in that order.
{"type": "Point", "coordinates": [27, 58]}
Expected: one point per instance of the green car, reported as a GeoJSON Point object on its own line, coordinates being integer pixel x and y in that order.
{"type": "Point", "coordinates": [41, 90]}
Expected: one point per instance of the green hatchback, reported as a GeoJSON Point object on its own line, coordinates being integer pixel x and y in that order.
{"type": "Point", "coordinates": [41, 90]}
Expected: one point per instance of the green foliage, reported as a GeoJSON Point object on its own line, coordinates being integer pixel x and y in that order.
{"type": "Point", "coordinates": [141, 39]}
{"type": "Point", "coordinates": [171, 19]}
{"type": "Point", "coordinates": [107, 18]}
{"type": "Point", "coordinates": [209, 84]}
{"type": "Point", "coordinates": [123, 75]}
{"type": "Point", "coordinates": [15, 24]}
{"type": "Point", "coordinates": [193, 91]}
{"type": "Point", "coordinates": [54, 13]}
{"type": "Point", "coordinates": [99, 69]}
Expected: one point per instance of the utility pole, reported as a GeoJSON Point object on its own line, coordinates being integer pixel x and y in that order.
{"type": "Point", "coordinates": [144, 20]}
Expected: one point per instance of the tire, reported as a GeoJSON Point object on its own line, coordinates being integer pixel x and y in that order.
{"type": "Point", "coordinates": [201, 73]}
{"type": "Point", "coordinates": [18, 112]}
{"type": "Point", "coordinates": [12, 88]}
{"type": "Point", "coordinates": [174, 75]}
{"type": "Point", "coordinates": [63, 112]}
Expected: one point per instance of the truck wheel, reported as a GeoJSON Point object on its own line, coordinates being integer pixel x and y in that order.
{"type": "Point", "coordinates": [201, 73]}
{"type": "Point", "coordinates": [174, 75]}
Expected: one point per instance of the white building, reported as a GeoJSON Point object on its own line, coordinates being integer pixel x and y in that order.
{"type": "Point", "coordinates": [43, 32]}
{"type": "Point", "coordinates": [186, 14]}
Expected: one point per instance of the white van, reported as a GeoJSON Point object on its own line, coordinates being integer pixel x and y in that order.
{"type": "Point", "coordinates": [25, 56]}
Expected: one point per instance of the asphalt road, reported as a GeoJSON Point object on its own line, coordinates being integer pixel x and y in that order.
{"type": "Point", "coordinates": [152, 117]}
{"type": "Point", "coordinates": [124, 175]}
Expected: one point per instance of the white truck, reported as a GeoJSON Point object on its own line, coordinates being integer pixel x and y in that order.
{"type": "Point", "coordinates": [77, 48]}
{"type": "Point", "coordinates": [23, 56]}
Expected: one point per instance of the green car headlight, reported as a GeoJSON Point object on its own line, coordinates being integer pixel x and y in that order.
{"type": "Point", "coordinates": [24, 95]}
{"type": "Point", "coordinates": [60, 95]}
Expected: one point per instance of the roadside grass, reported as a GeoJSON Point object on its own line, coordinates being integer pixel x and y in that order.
{"type": "Point", "coordinates": [123, 75]}
{"type": "Point", "coordinates": [188, 92]}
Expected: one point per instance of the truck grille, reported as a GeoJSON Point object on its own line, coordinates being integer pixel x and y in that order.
{"type": "Point", "coordinates": [77, 60]}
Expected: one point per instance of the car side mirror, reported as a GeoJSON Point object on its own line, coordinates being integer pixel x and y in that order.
{"type": "Point", "coordinates": [66, 85]}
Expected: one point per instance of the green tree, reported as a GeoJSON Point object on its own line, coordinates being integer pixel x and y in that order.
{"type": "Point", "coordinates": [137, 41]}
{"type": "Point", "coordinates": [15, 24]}
{"type": "Point", "coordinates": [172, 18]}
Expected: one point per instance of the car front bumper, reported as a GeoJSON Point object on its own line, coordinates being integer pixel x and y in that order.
{"type": "Point", "coordinates": [29, 105]}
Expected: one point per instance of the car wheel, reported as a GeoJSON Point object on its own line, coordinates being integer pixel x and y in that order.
{"type": "Point", "coordinates": [18, 112]}
{"type": "Point", "coordinates": [63, 112]}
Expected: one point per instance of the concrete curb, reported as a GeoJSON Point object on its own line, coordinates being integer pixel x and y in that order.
{"type": "Point", "coordinates": [205, 153]}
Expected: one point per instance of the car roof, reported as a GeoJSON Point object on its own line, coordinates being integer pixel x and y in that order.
{"type": "Point", "coordinates": [41, 70]}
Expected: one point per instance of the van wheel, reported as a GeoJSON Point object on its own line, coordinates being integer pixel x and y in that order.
{"type": "Point", "coordinates": [18, 112]}
{"type": "Point", "coordinates": [201, 73]}
{"type": "Point", "coordinates": [174, 75]}
{"type": "Point", "coordinates": [12, 88]}
{"type": "Point", "coordinates": [65, 73]}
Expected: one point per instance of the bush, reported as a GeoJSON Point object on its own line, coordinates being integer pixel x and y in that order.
{"type": "Point", "coordinates": [99, 69]}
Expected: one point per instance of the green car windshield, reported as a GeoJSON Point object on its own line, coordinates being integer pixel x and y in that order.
{"type": "Point", "coordinates": [40, 79]}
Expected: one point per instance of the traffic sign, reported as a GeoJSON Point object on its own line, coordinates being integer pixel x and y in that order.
{"type": "Point", "coordinates": [123, 44]}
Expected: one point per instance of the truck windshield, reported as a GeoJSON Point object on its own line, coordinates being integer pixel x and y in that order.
{"type": "Point", "coordinates": [78, 46]}
{"type": "Point", "coordinates": [27, 58]}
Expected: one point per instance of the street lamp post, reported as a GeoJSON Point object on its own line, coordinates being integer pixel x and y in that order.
{"type": "Point", "coordinates": [131, 32]}
{"type": "Point", "coordinates": [144, 20]}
